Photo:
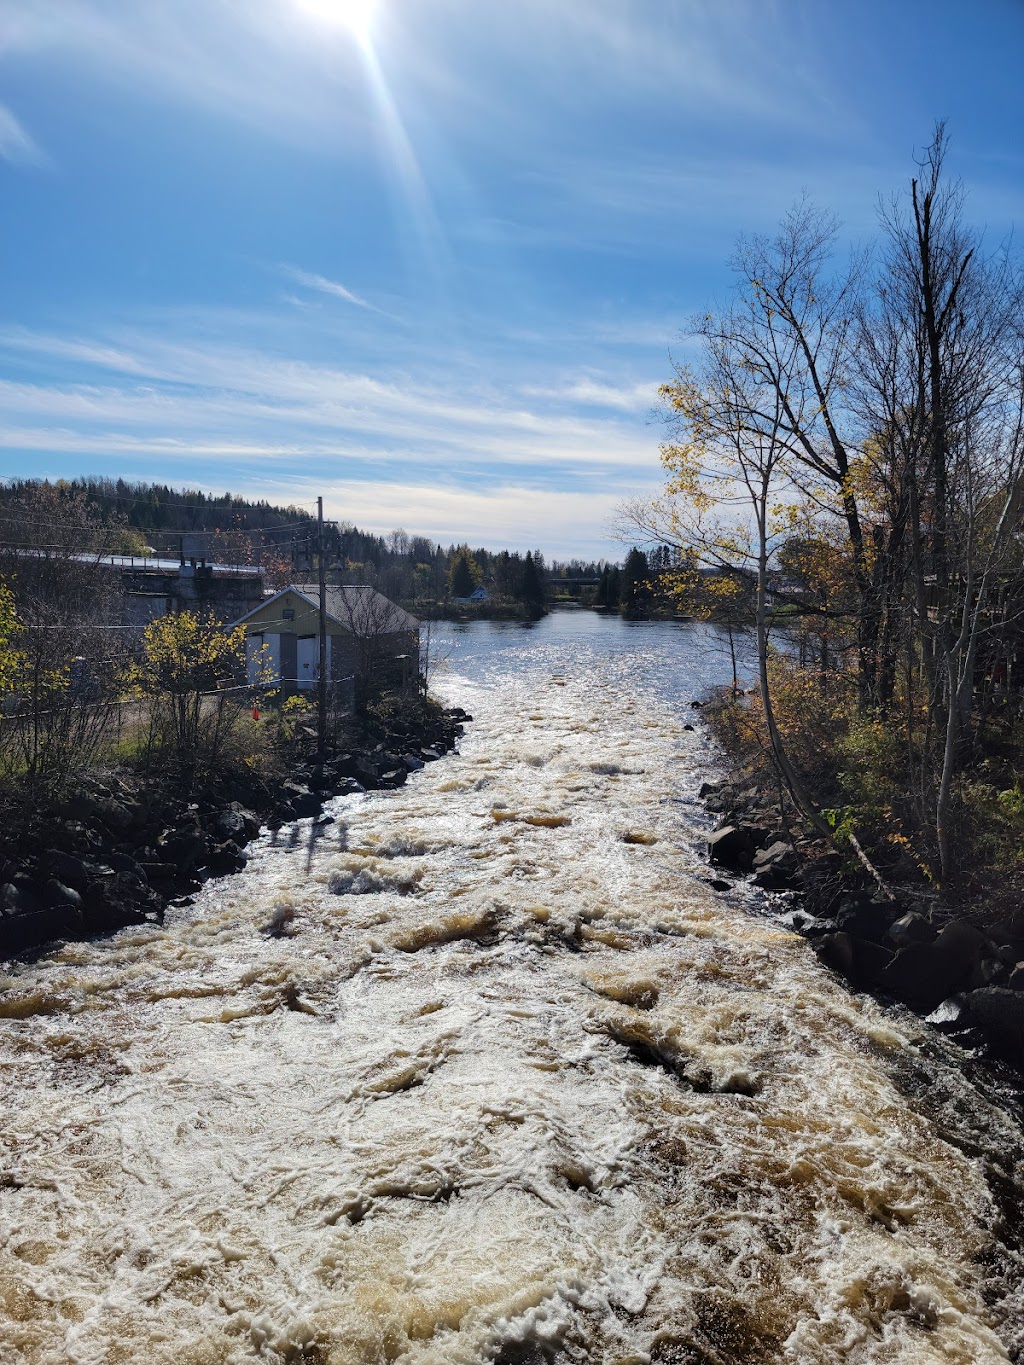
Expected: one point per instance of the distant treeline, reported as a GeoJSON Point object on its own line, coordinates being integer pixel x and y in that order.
{"type": "Point", "coordinates": [145, 518]}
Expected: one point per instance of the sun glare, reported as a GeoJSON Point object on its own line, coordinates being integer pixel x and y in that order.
{"type": "Point", "coordinates": [354, 15]}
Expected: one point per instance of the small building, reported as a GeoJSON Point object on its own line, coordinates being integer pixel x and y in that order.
{"type": "Point", "coordinates": [479, 594]}
{"type": "Point", "coordinates": [371, 641]}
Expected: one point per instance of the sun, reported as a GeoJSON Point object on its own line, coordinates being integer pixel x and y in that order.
{"type": "Point", "coordinates": [354, 15]}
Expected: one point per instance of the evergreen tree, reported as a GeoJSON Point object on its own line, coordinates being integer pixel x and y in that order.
{"type": "Point", "coordinates": [635, 592]}
{"type": "Point", "coordinates": [602, 587]}
{"type": "Point", "coordinates": [461, 576]}
{"type": "Point", "coordinates": [614, 587]}
{"type": "Point", "coordinates": [531, 590]}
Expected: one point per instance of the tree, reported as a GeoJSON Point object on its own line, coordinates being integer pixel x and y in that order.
{"type": "Point", "coordinates": [531, 590]}
{"type": "Point", "coordinates": [463, 574]}
{"type": "Point", "coordinates": [70, 652]}
{"type": "Point", "coordinates": [635, 593]}
{"type": "Point", "coordinates": [942, 383]}
{"type": "Point", "coordinates": [186, 663]}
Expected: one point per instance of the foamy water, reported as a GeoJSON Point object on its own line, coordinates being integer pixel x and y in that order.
{"type": "Point", "coordinates": [520, 1087]}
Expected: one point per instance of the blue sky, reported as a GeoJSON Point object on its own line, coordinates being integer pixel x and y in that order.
{"type": "Point", "coordinates": [430, 257]}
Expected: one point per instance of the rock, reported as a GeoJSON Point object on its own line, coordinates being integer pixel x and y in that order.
{"type": "Point", "coordinates": [112, 902]}
{"type": "Point", "coordinates": [1000, 1012]}
{"type": "Point", "coordinates": [394, 778]}
{"type": "Point", "coordinates": [857, 959]}
{"type": "Point", "coordinates": [987, 971]}
{"type": "Point", "coordinates": [366, 772]}
{"type": "Point", "coordinates": [237, 823]}
{"type": "Point", "coordinates": [17, 898]}
{"type": "Point", "coordinates": [1016, 982]}
{"type": "Point", "coordinates": [60, 895]}
{"type": "Point", "coordinates": [717, 884]}
{"type": "Point", "coordinates": [911, 928]}
{"type": "Point", "coordinates": [160, 872]}
{"type": "Point", "coordinates": [123, 862]}
{"type": "Point", "coordinates": [225, 858]}
{"type": "Point", "coordinates": [687, 727]}
{"type": "Point", "coordinates": [429, 755]}
{"type": "Point", "coordinates": [708, 789]}
{"type": "Point", "coordinates": [924, 974]}
{"type": "Point", "coordinates": [732, 846]}
{"type": "Point", "coordinates": [412, 763]}
{"type": "Point", "coordinates": [64, 866]}
{"type": "Point", "coordinates": [184, 846]}
{"type": "Point", "coordinates": [99, 806]}
{"type": "Point", "coordinates": [776, 867]}
{"type": "Point", "coordinates": [866, 919]}
{"type": "Point", "coordinates": [29, 928]}
{"type": "Point", "coordinates": [302, 801]}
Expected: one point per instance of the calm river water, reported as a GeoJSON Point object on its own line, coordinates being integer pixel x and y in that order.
{"type": "Point", "coordinates": [520, 1088]}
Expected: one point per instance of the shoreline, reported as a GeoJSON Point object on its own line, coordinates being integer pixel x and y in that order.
{"type": "Point", "coordinates": [966, 983]}
{"type": "Point", "coordinates": [119, 852]}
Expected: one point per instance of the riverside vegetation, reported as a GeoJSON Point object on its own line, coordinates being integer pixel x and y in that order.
{"type": "Point", "coordinates": [845, 476]}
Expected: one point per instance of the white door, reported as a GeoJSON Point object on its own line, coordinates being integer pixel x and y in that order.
{"type": "Point", "coordinates": [307, 660]}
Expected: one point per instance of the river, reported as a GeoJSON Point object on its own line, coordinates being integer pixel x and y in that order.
{"type": "Point", "coordinates": [519, 1087]}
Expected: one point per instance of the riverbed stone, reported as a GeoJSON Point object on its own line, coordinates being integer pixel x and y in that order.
{"type": "Point", "coordinates": [911, 928]}
{"type": "Point", "coordinates": [237, 823]}
{"type": "Point", "coordinates": [857, 959]}
{"type": "Point", "coordinates": [732, 846]}
{"type": "Point", "coordinates": [777, 867]}
{"type": "Point", "coordinates": [924, 974]}
{"type": "Point", "coordinates": [58, 894]}
{"type": "Point", "coordinates": [866, 918]}
{"type": "Point", "coordinates": [1000, 1011]}
{"type": "Point", "coordinates": [65, 866]}
{"type": "Point", "coordinates": [302, 801]}
{"type": "Point", "coordinates": [226, 858]}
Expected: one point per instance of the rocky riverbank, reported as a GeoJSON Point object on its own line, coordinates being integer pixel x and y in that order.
{"type": "Point", "coordinates": [966, 979]}
{"type": "Point", "coordinates": [119, 849]}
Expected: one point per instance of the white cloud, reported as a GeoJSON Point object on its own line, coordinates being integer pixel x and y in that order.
{"type": "Point", "coordinates": [512, 515]}
{"type": "Point", "coordinates": [16, 145]}
{"type": "Point", "coordinates": [592, 393]}
{"type": "Point", "coordinates": [322, 285]}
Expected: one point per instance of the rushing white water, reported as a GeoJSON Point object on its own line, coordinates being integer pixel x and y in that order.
{"type": "Point", "coordinates": [519, 1087]}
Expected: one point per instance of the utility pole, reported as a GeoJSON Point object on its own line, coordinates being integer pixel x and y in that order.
{"type": "Point", "coordinates": [321, 719]}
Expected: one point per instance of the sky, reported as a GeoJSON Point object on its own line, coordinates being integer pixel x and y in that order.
{"type": "Point", "coordinates": [432, 258]}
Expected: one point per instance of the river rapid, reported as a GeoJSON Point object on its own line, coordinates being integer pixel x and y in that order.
{"type": "Point", "coordinates": [515, 1085]}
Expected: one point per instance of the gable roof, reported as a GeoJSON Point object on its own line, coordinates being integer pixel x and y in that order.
{"type": "Point", "coordinates": [356, 607]}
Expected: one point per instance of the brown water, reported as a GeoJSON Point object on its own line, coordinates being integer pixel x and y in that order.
{"type": "Point", "coordinates": [521, 1087]}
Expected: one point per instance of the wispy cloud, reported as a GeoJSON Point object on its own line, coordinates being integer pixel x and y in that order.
{"type": "Point", "coordinates": [593, 393]}
{"type": "Point", "coordinates": [322, 285]}
{"type": "Point", "coordinates": [16, 144]}
{"type": "Point", "coordinates": [220, 413]}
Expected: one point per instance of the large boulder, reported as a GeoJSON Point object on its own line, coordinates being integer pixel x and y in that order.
{"type": "Point", "coordinates": [237, 824]}
{"type": "Point", "coordinates": [66, 867]}
{"type": "Point", "coordinates": [301, 800]}
{"type": "Point", "coordinates": [777, 867]}
{"type": "Point", "coordinates": [911, 928]}
{"type": "Point", "coordinates": [732, 846]}
{"type": "Point", "coordinates": [1000, 1012]}
{"type": "Point", "coordinates": [924, 974]}
{"type": "Point", "coordinates": [225, 858]}
{"type": "Point", "coordinates": [866, 918]}
{"type": "Point", "coordinates": [184, 845]}
{"type": "Point", "coordinates": [857, 959]}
